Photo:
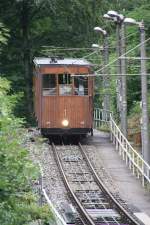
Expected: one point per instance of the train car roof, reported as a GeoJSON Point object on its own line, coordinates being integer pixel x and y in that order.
{"type": "Point", "coordinates": [61, 61]}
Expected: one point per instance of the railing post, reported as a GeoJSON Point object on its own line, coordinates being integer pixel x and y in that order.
{"type": "Point", "coordinates": [111, 134]}
{"type": "Point", "coordinates": [114, 134]}
{"type": "Point", "coordinates": [143, 179]}
{"type": "Point", "coordinates": [130, 165]}
{"type": "Point", "coordinates": [120, 147]}
{"type": "Point", "coordinates": [138, 174]}
{"type": "Point", "coordinates": [99, 118]}
{"type": "Point", "coordinates": [124, 148]}
{"type": "Point", "coordinates": [133, 158]}
{"type": "Point", "coordinates": [116, 138]}
{"type": "Point", "coordinates": [127, 155]}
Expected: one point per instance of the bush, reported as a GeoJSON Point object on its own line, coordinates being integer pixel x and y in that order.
{"type": "Point", "coordinates": [18, 205]}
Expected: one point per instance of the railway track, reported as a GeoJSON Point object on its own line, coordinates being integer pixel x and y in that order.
{"type": "Point", "coordinates": [94, 203]}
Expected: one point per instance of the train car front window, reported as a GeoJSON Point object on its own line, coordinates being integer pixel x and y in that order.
{"type": "Point", "coordinates": [81, 85]}
{"type": "Point", "coordinates": [65, 84]}
{"type": "Point", "coordinates": [49, 84]}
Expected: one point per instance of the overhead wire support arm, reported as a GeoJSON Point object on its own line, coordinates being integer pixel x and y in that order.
{"type": "Point", "coordinates": [135, 58]}
{"type": "Point", "coordinates": [113, 61]}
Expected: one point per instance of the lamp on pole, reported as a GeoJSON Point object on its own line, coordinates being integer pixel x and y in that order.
{"type": "Point", "coordinates": [121, 68]}
{"type": "Point", "coordinates": [112, 18]}
{"type": "Point", "coordinates": [95, 46]}
{"type": "Point", "coordinates": [144, 90]}
{"type": "Point", "coordinates": [106, 101]}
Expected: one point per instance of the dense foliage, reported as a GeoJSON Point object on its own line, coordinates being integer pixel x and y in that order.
{"type": "Point", "coordinates": [18, 204]}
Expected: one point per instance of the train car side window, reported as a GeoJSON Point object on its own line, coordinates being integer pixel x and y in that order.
{"type": "Point", "coordinates": [49, 84]}
{"type": "Point", "coordinates": [81, 85]}
{"type": "Point", "coordinates": [65, 84]}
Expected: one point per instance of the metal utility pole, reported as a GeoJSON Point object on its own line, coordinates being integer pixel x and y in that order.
{"type": "Point", "coordinates": [106, 76]}
{"type": "Point", "coordinates": [118, 65]}
{"type": "Point", "coordinates": [121, 67]}
{"type": "Point", "coordinates": [123, 83]}
{"type": "Point", "coordinates": [121, 78]}
{"type": "Point", "coordinates": [145, 120]}
{"type": "Point", "coordinates": [106, 99]}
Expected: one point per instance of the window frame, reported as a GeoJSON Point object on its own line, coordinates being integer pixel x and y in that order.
{"type": "Point", "coordinates": [55, 88]}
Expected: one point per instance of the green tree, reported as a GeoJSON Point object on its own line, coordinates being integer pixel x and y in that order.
{"type": "Point", "coordinates": [17, 57]}
{"type": "Point", "coordinates": [18, 205]}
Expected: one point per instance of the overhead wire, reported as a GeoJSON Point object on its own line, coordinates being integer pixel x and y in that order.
{"type": "Point", "coordinates": [103, 75]}
{"type": "Point", "coordinates": [105, 66]}
{"type": "Point", "coordinates": [122, 55]}
{"type": "Point", "coordinates": [78, 49]}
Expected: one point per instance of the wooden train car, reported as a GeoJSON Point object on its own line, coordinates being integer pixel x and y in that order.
{"type": "Point", "coordinates": [63, 95]}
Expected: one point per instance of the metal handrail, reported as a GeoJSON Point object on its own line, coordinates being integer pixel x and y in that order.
{"type": "Point", "coordinates": [101, 118]}
{"type": "Point", "coordinates": [102, 114]}
{"type": "Point", "coordinates": [58, 219]}
{"type": "Point", "coordinates": [140, 168]}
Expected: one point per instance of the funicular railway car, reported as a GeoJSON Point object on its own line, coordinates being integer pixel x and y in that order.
{"type": "Point", "coordinates": [63, 96]}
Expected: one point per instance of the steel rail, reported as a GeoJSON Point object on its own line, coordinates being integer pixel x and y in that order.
{"type": "Point", "coordinates": [105, 189]}
{"type": "Point", "coordinates": [83, 212]}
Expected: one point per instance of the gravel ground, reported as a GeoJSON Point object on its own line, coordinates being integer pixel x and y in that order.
{"type": "Point", "coordinates": [40, 152]}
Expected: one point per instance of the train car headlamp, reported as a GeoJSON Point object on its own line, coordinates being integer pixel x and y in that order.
{"type": "Point", "coordinates": [65, 123]}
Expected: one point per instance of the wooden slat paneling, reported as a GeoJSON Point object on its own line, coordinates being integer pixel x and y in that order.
{"type": "Point", "coordinates": [51, 110]}
{"type": "Point", "coordinates": [37, 97]}
{"type": "Point", "coordinates": [76, 109]}
{"type": "Point", "coordinates": [64, 69]}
